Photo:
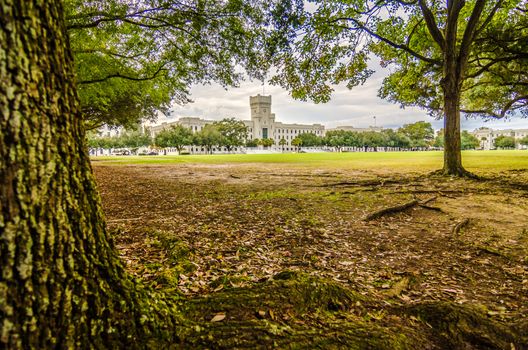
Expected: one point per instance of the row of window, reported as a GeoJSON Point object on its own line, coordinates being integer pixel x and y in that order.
{"type": "Point", "coordinates": [279, 131]}
{"type": "Point", "coordinates": [293, 131]}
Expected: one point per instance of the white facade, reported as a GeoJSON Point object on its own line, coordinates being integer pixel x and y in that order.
{"type": "Point", "coordinates": [487, 136]}
{"type": "Point", "coordinates": [262, 124]}
{"type": "Point", "coordinates": [353, 129]}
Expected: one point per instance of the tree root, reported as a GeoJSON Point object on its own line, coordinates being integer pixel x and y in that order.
{"type": "Point", "coordinates": [391, 210]}
{"type": "Point", "coordinates": [465, 327]}
{"type": "Point", "coordinates": [295, 310]}
{"type": "Point", "coordinates": [462, 173]}
{"type": "Point", "coordinates": [493, 251]}
{"type": "Point", "coordinates": [366, 183]}
{"type": "Point", "coordinates": [399, 208]}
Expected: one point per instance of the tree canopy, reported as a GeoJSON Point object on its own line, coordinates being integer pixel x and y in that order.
{"type": "Point", "coordinates": [503, 141]}
{"type": "Point", "coordinates": [420, 133]}
{"type": "Point", "coordinates": [297, 142]}
{"type": "Point", "coordinates": [234, 132]}
{"type": "Point", "coordinates": [209, 137]}
{"type": "Point", "coordinates": [309, 139]}
{"type": "Point", "coordinates": [447, 57]}
{"type": "Point", "coordinates": [266, 142]}
{"type": "Point", "coordinates": [133, 59]}
{"type": "Point", "coordinates": [176, 136]}
{"type": "Point", "coordinates": [469, 141]}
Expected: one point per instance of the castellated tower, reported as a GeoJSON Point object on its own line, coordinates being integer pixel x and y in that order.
{"type": "Point", "coordinates": [261, 116]}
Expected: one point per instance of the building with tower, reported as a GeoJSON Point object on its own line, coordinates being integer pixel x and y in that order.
{"type": "Point", "coordinates": [262, 124]}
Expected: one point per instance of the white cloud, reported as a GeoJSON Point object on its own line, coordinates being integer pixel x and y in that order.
{"type": "Point", "coordinates": [355, 107]}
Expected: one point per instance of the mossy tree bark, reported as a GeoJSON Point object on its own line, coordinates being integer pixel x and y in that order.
{"type": "Point", "coordinates": [61, 282]}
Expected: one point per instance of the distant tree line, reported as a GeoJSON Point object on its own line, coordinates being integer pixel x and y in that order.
{"type": "Point", "coordinates": [467, 140]}
{"type": "Point", "coordinates": [416, 135]}
{"type": "Point", "coordinates": [230, 133]}
{"type": "Point", "coordinates": [508, 142]}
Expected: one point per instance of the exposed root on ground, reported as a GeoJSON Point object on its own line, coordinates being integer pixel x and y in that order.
{"type": "Point", "coordinates": [391, 210]}
{"type": "Point", "coordinates": [295, 310]}
{"type": "Point", "coordinates": [401, 207]}
{"type": "Point", "coordinates": [462, 173]}
{"type": "Point", "coordinates": [367, 183]}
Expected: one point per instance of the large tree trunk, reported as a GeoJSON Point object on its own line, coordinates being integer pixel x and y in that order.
{"type": "Point", "coordinates": [61, 282]}
{"type": "Point", "coordinates": [452, 153]}
{"type": "Point", "coordinates": [451, 85]}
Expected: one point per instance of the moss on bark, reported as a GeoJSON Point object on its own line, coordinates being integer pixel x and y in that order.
{"type": "Point", "coordinates": [295, 310]}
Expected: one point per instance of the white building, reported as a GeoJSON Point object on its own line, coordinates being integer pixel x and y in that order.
{"type": "Point", "coordinates": [261, 126]}
{"type": "Point", "coordinates": [487, 136]}
{"type": "Point", "coordinates": [353, 129]}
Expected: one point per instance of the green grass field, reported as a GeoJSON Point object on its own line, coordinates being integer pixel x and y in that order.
{"type": "Point", "coordinates": [402, 161]}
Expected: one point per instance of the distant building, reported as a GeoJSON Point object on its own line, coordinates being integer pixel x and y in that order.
{"type": "Point", "coordinates": [261, 126]}
{"type": "Point", "coordinates": [487, 136]}
{"type": "Point", "coordinates": [353, 129]}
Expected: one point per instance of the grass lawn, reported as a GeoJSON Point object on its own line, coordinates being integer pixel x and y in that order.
{"type": "Point", "coordinates": [398, 161]}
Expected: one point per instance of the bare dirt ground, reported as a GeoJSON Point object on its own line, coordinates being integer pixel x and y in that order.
{"type": "Point", "coordinates": [202, 228]}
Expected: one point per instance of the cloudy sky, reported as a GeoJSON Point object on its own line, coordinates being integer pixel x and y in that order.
{"type": "Point", "coordinates": [356, 107]}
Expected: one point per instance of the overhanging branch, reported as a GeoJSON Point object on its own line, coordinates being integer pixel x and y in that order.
{"type": "Point", "coordinates": [388, 41]}
{"type": "Point", "coordinates": [119, 75]}
{"type": "Point", "coordinates": [507, 107]}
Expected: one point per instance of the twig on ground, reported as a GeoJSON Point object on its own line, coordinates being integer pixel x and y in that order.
{"type": "Point", "coordinates": [442, 193]}
{"type": "Point", "coordinates": [459, 226]}
{"type": "Point", "coordinates": [493, 251]}
{"type": "Point", "coordinates": [120, 220]}
{"type": "Point", "coordinates": [363, 183]}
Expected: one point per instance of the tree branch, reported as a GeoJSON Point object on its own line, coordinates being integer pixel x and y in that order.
{"type": "Point", "coordinates": [413, 30]}
{"type": "Point", "coordinates": [390, 42]}
{"type": "Point", "coordinates": [119, 75]}
{"type": "Point", "coordinates": [507, 107]}
{"type": "Point", "coordinates": [469, 34]}
{"type": "Point", "coordinates": [109, 53]}
{"type": "Point", "coordinates": [503, 111]}
{"type": "Point", "coordinates": [487, 66]}
{"type": "Point", "coordinates": [431, 25]}
{"type": "Point", "coordinates": [490, 16]}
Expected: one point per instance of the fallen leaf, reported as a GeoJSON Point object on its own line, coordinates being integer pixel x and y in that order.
{"type": "Point", "coordinates": [218, 317]}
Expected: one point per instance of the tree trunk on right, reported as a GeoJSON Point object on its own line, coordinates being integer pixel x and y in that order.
{"type": "Point", "coordinates": [451, 86]}
{"type": "Point", "coordinates": [452, 153]}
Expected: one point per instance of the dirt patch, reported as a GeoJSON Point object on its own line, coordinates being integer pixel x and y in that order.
{"type": "Point", "coordinates": [204, 228]}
